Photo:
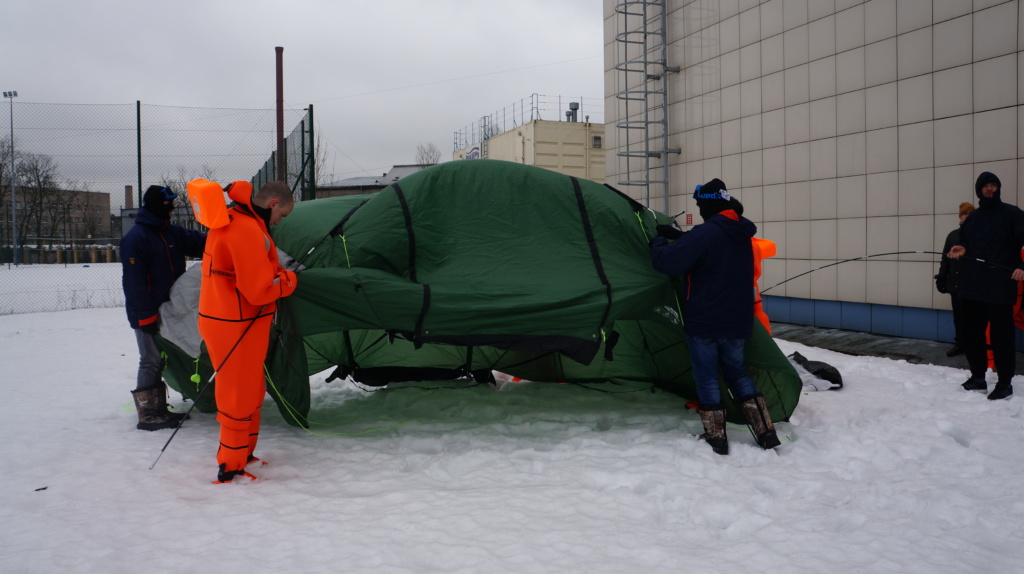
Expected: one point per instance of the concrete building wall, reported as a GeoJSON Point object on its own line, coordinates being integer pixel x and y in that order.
{"type": "Point", "coordinates": [565, 147]}
{"type": "Point", "coordinates": [847, 128]}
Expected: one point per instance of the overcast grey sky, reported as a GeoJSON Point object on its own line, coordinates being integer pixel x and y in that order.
{"type": "Point", "coordinates": [383, 75]}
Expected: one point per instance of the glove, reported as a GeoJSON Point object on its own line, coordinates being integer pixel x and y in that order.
{"type": "Point", "coordinates": [940, 284]}
{"type": "Point", "coordinates": [669, 232]}
{"type": "Point", "coordinates": [152, 328]}
{"type": "Point", "coordinates": [658, 242]}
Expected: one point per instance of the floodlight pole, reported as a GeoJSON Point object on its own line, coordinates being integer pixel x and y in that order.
{"type": "Point", "coordinates": [14, 204]}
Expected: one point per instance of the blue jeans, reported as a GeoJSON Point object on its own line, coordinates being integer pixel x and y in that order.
{"type": "Point", "coordinates": [706, 356]}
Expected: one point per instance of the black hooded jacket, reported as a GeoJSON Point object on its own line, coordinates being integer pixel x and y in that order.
{"type": "Point", "coordinates": [994, 233]}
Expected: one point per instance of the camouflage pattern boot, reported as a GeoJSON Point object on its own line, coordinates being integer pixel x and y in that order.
{"type": "Point", "coordinates": [713, 418]}
{"type": "Point", "coordinates": [756, 412]}
{"type": "Point", "coordinates": [150, 416]}
{"type": "Point", "coordinates": [162, 405]}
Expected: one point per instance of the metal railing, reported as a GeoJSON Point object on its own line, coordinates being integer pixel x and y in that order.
{"type": "Point", "coordinates": [526, 110]}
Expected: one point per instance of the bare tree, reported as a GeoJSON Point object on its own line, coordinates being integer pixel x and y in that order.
{"type": "Point", "coordinates": [427, 154]}
{"type": "Point", "coordinates": [178, 182]}
{"type": "Point", "coordinates": [320, 159]}
{"type": "Point", "coordinates": [92, 220]}
{"type": "Point", "coordinates": [37, 180]}
{"type": "Point", "coordinates": [5, 190]}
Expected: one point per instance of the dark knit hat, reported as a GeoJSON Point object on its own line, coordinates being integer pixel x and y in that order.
{"type": "Point", "coordinates": [158, 194]}
{"type": "Point", "coordinates": [154, 198]}
{"type": "Point", "coordinates": [712, 198]}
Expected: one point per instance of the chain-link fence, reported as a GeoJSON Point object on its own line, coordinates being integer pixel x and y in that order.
{"type": "Point", "coordinates": [78, 173]}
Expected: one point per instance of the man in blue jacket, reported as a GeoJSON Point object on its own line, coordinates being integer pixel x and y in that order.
{"type": "Point", "coordinates": [152, 258]}
{"type": "Point", "coordinates": [716, 264]}
{"type": "Point", "coordinates": [992, 237]}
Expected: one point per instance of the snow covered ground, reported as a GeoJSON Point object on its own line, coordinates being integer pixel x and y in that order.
{"type": "Point", "coordinates": [901, 471]}
{"type": "Point", "coordinates": [36, 288]}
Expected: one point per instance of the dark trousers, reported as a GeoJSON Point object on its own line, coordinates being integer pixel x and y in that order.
{"type": "Point", "coordinates": [975, 316]}
{"type": "Point", "coordinates": [151, 362]}
{"type": "Point", "coordinates": [956, 303]}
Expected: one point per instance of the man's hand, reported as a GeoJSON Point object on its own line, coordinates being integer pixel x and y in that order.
{"type": "Point", "coordinates": [669, 232]}
{"type": "Point", "coordinates": [1018, 275]}
{"type": "Point", "coordinates": [956, 252]}
{"type": "Point", "coordinates": [658, 242]}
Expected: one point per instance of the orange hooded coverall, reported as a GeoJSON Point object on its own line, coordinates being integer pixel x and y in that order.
{"type": "Point", "coordinates": [242, 281]}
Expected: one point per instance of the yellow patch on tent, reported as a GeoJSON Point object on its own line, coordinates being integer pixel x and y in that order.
{"type": "Point", "coordinates": [208, 203]}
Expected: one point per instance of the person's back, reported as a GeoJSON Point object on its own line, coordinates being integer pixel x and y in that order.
{"type": "Point", "coordinates": [239, 269]}
{"type": "Point", "coordinates": [242, 280]}
{"type": "Point", "coordinates": [716, 262]}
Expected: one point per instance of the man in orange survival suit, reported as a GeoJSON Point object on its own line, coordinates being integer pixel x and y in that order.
{"type": "Point", "coordinates": [242, 281]}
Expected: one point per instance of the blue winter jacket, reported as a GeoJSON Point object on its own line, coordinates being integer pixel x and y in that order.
{"type": "Point", "coordinates": [995, 233]}
{"type": "Point", "coordinates": [716, 263]}
{"type": "Point", "coordinates": [152, 258]}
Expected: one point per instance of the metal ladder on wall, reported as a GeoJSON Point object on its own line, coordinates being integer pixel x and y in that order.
{"type": "Point", "coordinates": [642, 100]}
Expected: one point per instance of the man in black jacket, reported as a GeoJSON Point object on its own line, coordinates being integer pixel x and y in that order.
{"type": "Point", "coordinates": [152, 258]}
{"type": "Point", "coordinates": [948, 279]}
{"type": "Point", "coordinates": [992, 238]}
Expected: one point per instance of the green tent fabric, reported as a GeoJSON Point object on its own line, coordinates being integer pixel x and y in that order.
{"type": "Point", "coordinates": [472, 266]}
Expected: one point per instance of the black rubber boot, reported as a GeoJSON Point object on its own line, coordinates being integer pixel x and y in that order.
{"type": "Point", "coordinates": [224, 476]}
{"type": "Point", "coordinates": [756, 412]}
{"type": "Point", "coordinates": [975, 384]}
{"type": "Point", "coordinates": [1002, 391]}
{"type": "Point", "coordinates": [150, 416]}
{"type": "Point", "coordinates": [713, 418]}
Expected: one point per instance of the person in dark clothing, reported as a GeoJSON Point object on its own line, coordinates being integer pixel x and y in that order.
{"type": "Point", "coordinates": [992, 237]}
{"type": "Point", "coordinates": [948, 279]}
{"type": "Point", "coordinates": [152, 258]}
{"type": "Point", "coordinates": [716, 263]}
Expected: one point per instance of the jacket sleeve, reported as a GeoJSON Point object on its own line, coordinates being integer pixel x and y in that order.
{"type": "Point", "coordinates": [1018, 234]}
{"type": "Point", "coordinates": [941, 279]}
{"type": "Point", "coordinates": [194, 242]}
{"type": "Point", "coordinates": [679, 257]}
{"type": "Point", "coordinates": [138, 299]}
{"type": "Point", "coordinates": [258, 275]}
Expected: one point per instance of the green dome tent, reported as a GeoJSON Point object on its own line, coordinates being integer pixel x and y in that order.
{"type": "Point", "coordinates": [472, 266]}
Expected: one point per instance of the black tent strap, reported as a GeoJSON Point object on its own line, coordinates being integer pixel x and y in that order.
{"type": "Point", "coordinates": [336, 230]}
{"type": "Point", "coordinates": [594, 253]}
{"type": "Point", "coordinates": [408, 229]}
{"type": "Point", "coordinates": [417, 338]}
{"type": "Point", "coordinates": [634, 204]}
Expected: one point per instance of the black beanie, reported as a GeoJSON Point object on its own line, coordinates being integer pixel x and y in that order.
{"type": "Point", "coordinates": [712, 198]}
{"type": "Point", "coordinates": [154, 198]}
